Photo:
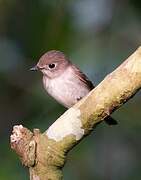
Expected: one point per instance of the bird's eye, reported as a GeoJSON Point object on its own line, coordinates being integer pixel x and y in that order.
{"type": "Point", "coordinates": [51, 66]}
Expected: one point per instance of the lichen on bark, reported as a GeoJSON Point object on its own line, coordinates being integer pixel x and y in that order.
{"type": "Point", "coordinates": [45, 153]}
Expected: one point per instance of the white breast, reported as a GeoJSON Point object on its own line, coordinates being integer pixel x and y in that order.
{"type": "Point", "coordinates": [66, 89]}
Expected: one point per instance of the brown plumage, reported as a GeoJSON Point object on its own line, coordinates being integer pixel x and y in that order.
{"type": "Point", "coordinates": [63, 80]}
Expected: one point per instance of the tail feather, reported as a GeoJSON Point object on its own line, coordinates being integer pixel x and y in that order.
{"type": "Point", "coordinates": [110, 121]}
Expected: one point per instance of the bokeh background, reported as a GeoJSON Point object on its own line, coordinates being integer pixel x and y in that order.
{"type": "Point", "coordinates": [97, 35]}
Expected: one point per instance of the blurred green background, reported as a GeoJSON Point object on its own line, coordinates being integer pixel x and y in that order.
{"type": "Point", "coordinates": [97, 35]}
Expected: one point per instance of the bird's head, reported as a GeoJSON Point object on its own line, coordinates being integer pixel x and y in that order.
{"type": "Point", "coordinates": [52, 64]}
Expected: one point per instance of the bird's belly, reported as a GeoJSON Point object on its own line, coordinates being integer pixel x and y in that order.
{"type": "Point", "coordinates": [66, 93]}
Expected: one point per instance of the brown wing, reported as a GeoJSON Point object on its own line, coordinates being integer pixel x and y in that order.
{"type": "Point", "coordinates": [83, 77]}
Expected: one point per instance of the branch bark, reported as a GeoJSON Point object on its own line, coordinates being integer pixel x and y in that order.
{"type": "Point", "coordinates": [45, 153]}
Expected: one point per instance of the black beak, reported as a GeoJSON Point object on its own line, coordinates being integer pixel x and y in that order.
{"type": "Point", "coordinates": [35, 68]}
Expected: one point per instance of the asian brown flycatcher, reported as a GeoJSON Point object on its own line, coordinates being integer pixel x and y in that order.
{"type": "Point", "coordinates": [63, 80]}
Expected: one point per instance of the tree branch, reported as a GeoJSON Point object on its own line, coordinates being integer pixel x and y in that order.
{"type": "Point", "coordinates": [45, 154]}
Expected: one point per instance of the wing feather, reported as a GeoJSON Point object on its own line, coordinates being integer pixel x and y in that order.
{"type": "Point", "coordinates": [83, 78]}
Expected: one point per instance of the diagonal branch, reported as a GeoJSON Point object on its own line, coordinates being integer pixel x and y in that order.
{"type": "Point", "coordinates": [45, 154]}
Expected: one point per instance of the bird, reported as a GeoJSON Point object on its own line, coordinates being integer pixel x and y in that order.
{"type": "Point", "coordinates": [63, 80]}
